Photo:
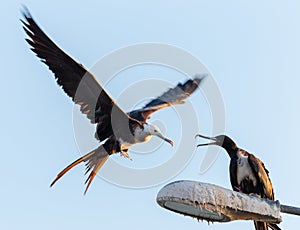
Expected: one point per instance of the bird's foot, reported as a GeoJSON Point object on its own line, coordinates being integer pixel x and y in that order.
{"type": "Point", "coordinates": [254, 194]}
{"type": "Point", "coordinates": [238, 189]}
{"type": "Point", "coordinates": [126, 155]}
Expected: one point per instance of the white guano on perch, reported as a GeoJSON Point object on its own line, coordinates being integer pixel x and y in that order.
{"type": "Point", "coordinates": [213, 203]}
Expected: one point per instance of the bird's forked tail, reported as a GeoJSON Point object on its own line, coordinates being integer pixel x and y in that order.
{"type": "Point", "coordinates": [264, 226]}
{"type": "Point", "coordinates": [94, 161]}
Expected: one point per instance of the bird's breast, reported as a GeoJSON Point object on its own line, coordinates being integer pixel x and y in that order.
{"type": "Point", "coordinates": [244, 170]}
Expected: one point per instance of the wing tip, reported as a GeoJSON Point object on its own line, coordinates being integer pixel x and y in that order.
{"type": "Point", "coordinates": [27, 21]}
{"type": "Point", "coordinates": [199, 77]}
{"type": "Point", "coordinates": [25, 12]}
{"type": "Point", "coordinates": [192, 84]}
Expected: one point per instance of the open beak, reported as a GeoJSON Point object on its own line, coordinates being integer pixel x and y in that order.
{"type": "Point", "coordinates": [166, 139]}
{"type": "Point", "coordinates": [215, 140]}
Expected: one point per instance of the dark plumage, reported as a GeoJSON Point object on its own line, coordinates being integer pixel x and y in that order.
{"type": "Point", "coordinates": [117, 129]}
{"type": "Point", "coordinates": [247, 173]}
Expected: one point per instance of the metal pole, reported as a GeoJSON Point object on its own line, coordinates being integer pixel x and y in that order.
{"type": "Point", "coordinates": [290, 210]}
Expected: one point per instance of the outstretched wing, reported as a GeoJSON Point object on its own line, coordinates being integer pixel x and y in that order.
{"type": "Point", "coordinates": [76, 81]}
{"type": "Point", "coordinates": [264, 182]}
{"type": "Point", "coordinates": [173, 96]}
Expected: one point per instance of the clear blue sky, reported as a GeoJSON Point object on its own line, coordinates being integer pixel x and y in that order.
{"type": "Point", "coordinates": [252, 49]}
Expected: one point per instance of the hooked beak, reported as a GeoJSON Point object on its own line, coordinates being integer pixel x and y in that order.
{"type": "Point", "coordinates": [166, 139]}
{"type": "Point", "coordinates": [169, 141]}
{"type": "Point", "coordinates": [215, 140]}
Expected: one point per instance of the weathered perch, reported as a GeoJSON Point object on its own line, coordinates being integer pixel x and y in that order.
{"type": "Point", "coordinates": [213, 203]}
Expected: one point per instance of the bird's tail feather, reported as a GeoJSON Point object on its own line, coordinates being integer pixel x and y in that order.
{"type": "Point", "coordinates": [260, 225]}
{"type": "Point", "coordinates": [273, 226]}
{"type": "Point", "coordinates": [94, 161]}
{"type": "Point", "coordinates": [264, 226]}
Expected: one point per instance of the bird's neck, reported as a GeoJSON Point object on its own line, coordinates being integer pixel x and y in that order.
{"type": "Point", "coordinates": [232, 151]}
{"type": "Point", "coordinates": [141, 134]}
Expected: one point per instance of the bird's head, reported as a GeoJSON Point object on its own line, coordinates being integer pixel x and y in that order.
{"type": "Point", "coordinates": [221, 140]}
{"type": "Point", "coordinates": [155, 131]}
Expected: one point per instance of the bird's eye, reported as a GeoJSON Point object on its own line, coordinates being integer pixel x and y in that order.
{"type": "Point", "coordinates": [155, 131]}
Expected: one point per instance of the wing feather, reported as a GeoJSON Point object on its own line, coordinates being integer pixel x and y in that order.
{"type": "Point", "coordinates": [173, 96]}
{"type": "Point", "coordinates": [263, 177]}
{"type": "Point", "coordinates": [77, 82]}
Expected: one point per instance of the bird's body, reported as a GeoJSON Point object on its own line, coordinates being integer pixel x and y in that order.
{"type": "Point", "coordinates": [116, 130]}
{"type": "Point", "coordinates": [243, 170]}
{"type": "Point", "coordinates": [247, 173]}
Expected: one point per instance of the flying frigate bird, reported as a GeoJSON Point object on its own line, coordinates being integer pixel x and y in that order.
{"type": "Point", "coordinates": [247, 173]}
{"type": "Point", "coordinates": [116, 130]}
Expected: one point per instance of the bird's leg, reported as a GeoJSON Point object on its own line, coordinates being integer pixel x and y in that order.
{"type": "Point", "coordinates": [124, 153]}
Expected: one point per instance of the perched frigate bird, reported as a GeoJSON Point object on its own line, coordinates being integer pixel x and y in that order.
{"type": "Point", "coordinates": [116, 130]}
{"type": "Point", "coordinates": [247, 173]}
